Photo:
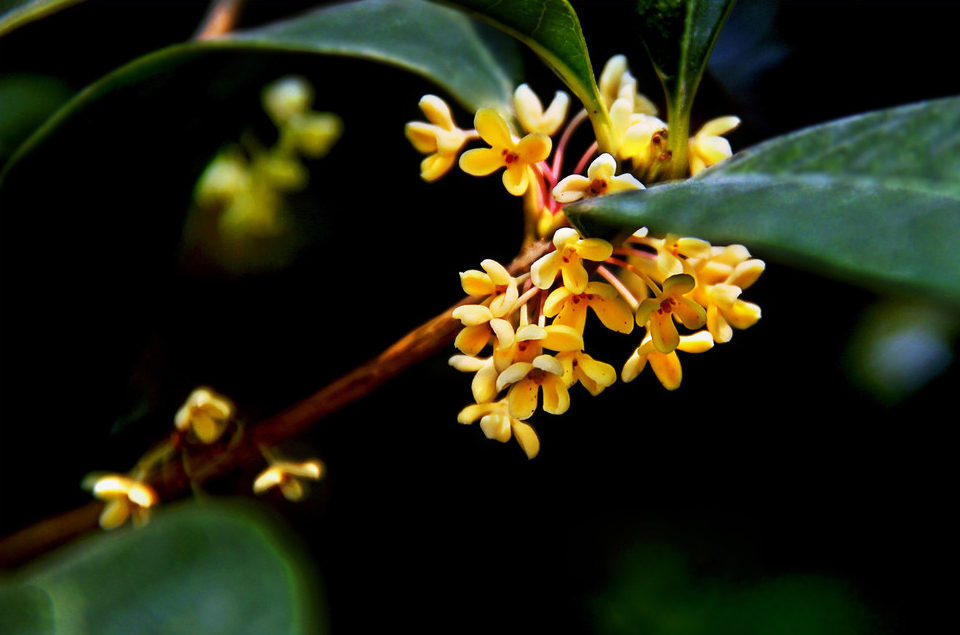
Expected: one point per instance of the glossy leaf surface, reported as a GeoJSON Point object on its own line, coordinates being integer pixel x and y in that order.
{"type": "Point", "coordinates": [552, 30]}
{"type": "Point", "coordinates": [678, 36]}
{"type": "Point", "coordinates": [216, 568]}
{"type": "Point", "coordinates": [871, 199]}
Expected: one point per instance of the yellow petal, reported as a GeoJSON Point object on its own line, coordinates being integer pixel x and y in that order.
{"type": "Point", "coordinates": [522, 399]}
{"type": "Point", "coordinates": [496, 426]}
{"type": "Point", "coordinates": [516, 178]}
{"type": "Point", "coordinates": [513, 374]}
{"type": "Point", "coordinates": [472, 314]}
{"type": "Point", "coordinates": [544, 271]}
{"type": "Point", "coordinates": [667, 369]}
{"type": "Point", "coordinates": [633, 367]}
{"type": "Point", "coordinates": [481, 161]}
{"type": "Point", "coordinates": [493, 129]}
{"type": "Point", "coordinates": [472, 339]}
{"type": "Point", "coordinates": [556, 397]}
{"type": "Point", "coordinates": [527, 438]}
{"type": "Point", "coordinates": [596, 249]}
{"type": "Point", "coordinates": [476, 282]}
{"type": "Point", "coordinates": [559, 337]}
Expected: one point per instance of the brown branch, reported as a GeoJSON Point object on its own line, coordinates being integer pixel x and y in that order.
{"type": "Point", "coordinates": [220, 19]}
{"type": "Point", "coordinates": [172, 481]}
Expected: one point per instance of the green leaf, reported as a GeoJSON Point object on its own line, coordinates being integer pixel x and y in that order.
{"type": "Point", "coordinates": [438, 43]}
{"type": "Point", "coordinates": [552, 30]}
{"type": "Point", "coordinates": [16, 13]}
{"type": "Point", "coordinates": [678, 36]}
{"type": "Point", "coordinates": [202, 568]}
{"type": "Point", "coordinates": [871, 199]}
{"type": "Point", "coordinates": [26, 610]}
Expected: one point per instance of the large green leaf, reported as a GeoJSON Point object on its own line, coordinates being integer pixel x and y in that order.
{"type": "Point", "coordinates": [872, 199]}
{"type": "Point", "coordinates": [678, 36]}
{"type": "Point", "coordinates": [16, 13]}
{"type": "Point", "coordinates": [436, 42]}
{"type": "Point", "coordinates": [204, 568]}
{"type": "Point", "coordinates": [552, 30]}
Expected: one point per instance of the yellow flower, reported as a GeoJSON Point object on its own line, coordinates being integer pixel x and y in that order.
{"type": "Point", "coordinates": [592, 374]}
{"type": "Point", "coordinates": [570, 249]}
{"type": "Point", "coordinates": [722, 276]}
{"type": "Point", "coordinates": [526, 379]}
{"type": "Point", "coordinates": [707, 147]}
{"type": "Point", "coordinates": [570, 308]}
{"type": "Point", "coordinates": [288, 476]}
{"type": "Point", "coordinates": [125, 498]}
{"type": "Point", "coordinates": [505, 151]}
{"type": "Point", "coordinates": [496, 283]}
{"type": "Point", "coordinates": [658, 314]}
{"type": "Point", "coordinates": [616, 81]}
{"type": "Point", "coordinates": [532, 370]}
{"type": "Point", "coordinates": [206, 414]}
{"type": "Point", "coordinates": [531, 114]}
{"type": "Point", "coordinates": [497, 423]}
{"type": "Point", "coordinates": [600, 180]}
{"type": "Point", "coordinates": [441, 139]}
{"type": "Point", "coordinates": [666, 366]}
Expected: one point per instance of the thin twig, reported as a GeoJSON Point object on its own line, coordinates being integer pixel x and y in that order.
{"type": "Point", "coordinates": [171, 481]}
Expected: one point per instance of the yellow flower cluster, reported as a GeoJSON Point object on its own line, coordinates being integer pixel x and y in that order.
{"type": "Point", "coordinates": [524, 340]}
{"type": "Point", "coordinates": [246, 183]}
{"type": "Point", "coordinates": [203, 418]}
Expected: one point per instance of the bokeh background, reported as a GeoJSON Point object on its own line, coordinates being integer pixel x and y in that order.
{"type": "Point", "coordinates": [797, 482]}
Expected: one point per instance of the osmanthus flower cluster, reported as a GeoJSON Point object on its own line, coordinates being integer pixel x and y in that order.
{"type": "Point", "coordinates": [524, 340]}
{"type": "Point", "coordinates": [205, 418]}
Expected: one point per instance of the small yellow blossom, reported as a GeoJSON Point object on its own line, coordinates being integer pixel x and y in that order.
{"type": "Point", "coordinates": [570, 308]}
{"type": "Point", "coordinates": [494, 282]}
{"type": "Point", "coordinates": [206, 414]}
{"type": "Point", "coordinates": [658, 314]}
{"type": "Point", "coordinates": [666, 366]}
{"type": "Point", "coordinates": [616, 81]}
{"type": "Point", "coordinates": [441, 139]}
{"type": "Point", "coordinates": [600, 180]}
{"type": "Point", "coordinates": [526, 379]}
{"type": "Point", "coordinates": [288, 476]}
{"type": "Point", "coordinates": [497, 423]}
{"type": "Point", "coordinates": [125, 498]}
{"type": "Point", "coordinates": [532, 116]}
{"type": "Point", "coordinates": [566, 259]}
{"type": "Point", "coordinates": [722, 276]}
{"type": "Point", "coordinates": [485, 373]}
{"type": "Point", "coordinates": [707, 147]}
{"type": "Point", "coordinates": [505, 151]}
{"type": "Point", "coordinates": [592, 374]}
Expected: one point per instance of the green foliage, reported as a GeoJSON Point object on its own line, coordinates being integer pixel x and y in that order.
{"type": "Point", "coordinates": [870, 199]}
{"type": "Point", "coordinates": [16, 13]}
{"type": "Point", "coordinates": [678, 36]}
{"type": "Point", "coordinates": [200, 568]}
{"type": "Point", "coordinates": [552, 30]}
{"type": "Point", "coordinates": [656, 590]}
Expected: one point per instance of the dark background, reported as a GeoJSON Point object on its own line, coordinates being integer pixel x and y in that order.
{"type": "Point", "coordinates": [770, 461]}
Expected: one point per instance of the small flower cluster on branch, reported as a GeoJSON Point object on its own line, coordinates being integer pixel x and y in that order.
{"type": "Point", "coordinates": [524, 342]}
{"type": "Point", "coordinates": [206, 418]}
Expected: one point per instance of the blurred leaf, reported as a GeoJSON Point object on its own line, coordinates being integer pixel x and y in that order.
{"type": "Point", "coordinates": [25, 610]}
{"type": "Point", "coordinates": [678, 36]}
{"type": "Point", "coordinates": [552, 30]}
{"type": "Point", "coordinates": [441, 44]}
{"type": "Point", "coordinates": [210, 568]}
{"type": "Point", "coordinates": [871, 199]}
{"type": "Point", "coordinates": [26, 101]}
{"type": "Point", "coordinates": [654, 590]}
{"type": "Point", "coordinates": [16, 13]}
